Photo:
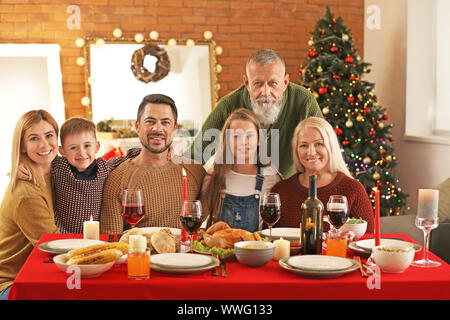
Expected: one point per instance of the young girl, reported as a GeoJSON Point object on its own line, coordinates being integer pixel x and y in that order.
{"type": "Point", "coordinates": [231, 192]}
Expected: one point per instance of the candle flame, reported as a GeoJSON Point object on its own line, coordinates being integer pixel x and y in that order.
{"type": "Point", "coordinates": [184, 173]}
{"type": "Point", "coordinates": [91, 218]}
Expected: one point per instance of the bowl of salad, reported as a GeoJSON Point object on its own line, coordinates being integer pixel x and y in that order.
{"type": "Point", "coordinates": [357, 225]}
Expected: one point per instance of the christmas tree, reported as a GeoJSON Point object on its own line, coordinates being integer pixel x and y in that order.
{"type": "Point", "coordinates": [333, 73]}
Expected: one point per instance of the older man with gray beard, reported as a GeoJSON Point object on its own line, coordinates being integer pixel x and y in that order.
{"type": "Point", "coordinates": [279, 105]}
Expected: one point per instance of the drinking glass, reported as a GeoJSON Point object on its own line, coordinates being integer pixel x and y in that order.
{"type": "Point", "coordinates": [133, 209]}
{"type": "Point", "coordinates": [191, 218]}
{"type": "Point", "coordinates": [337, 210]}
{"type": "Point", "coordinates": [426, 224]}
{"type": "Point", "coordinates": [270, 209]}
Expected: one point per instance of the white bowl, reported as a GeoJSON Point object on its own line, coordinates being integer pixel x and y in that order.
{"type": "Point", "coordinates": [259, 255]}
{"type": "Point", "coordinates": [393, 258]}
{"type": "Point", "coordinates": [359, 229]}
{"type": "Point", "coordinates": [86, 270]}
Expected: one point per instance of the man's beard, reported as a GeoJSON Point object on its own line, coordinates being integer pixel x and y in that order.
{"type": "Point", "coordinates": [157, 151]}
{"type": "Point", "coordinates": [266, 110]}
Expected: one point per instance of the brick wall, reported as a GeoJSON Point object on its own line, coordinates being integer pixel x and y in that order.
{"type": "Point", "coordinates": [239, 27]}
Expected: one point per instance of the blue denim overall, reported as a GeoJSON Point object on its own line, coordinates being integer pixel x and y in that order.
{"type": "Point", "coordinates": [242, 212]}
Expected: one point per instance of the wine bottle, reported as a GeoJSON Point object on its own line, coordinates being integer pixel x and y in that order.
{"type": "Point", "coordinates": [311, 220]}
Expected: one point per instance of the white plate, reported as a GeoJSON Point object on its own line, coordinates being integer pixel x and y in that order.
{"type": "Point", "coordinates": [180, 260]}
{"type": "Point", "coordinates": [65, 245]}
{"type": "Point", "coordinates": [319, 263]}
{"type": "Point", "coordinates": [214, 262]}
{"type": "Point", "coordinates": [175, 231]}
{"type": "Point", "coordinates": [292, 234]}
{"type": "Point", "coordinates": [369, 244]}
{"type": "Point", "coordinates": [317, 274]}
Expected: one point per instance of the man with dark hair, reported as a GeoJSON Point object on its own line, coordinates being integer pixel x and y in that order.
{"type": "Point", "coordinates": [160, 179]}
{"type": "Point", "coordinates": [278, 104]}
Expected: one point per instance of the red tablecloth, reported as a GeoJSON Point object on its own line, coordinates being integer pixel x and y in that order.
{"type": "Point", "coordinates": [38, 280]}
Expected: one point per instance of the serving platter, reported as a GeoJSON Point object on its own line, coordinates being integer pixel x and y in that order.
{"type": "Point", "coordinates": [317, 274]}
{"type": "Point", "coordinates": [65, 245]}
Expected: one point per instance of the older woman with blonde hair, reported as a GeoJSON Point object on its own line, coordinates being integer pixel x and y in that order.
{"type": "Point", "coordinates": [316, 150]}
{"type": "Point", "coordinates": [26, 211]}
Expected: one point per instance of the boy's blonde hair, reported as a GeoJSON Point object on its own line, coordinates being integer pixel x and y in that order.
{"type": "Point", "coordinates": [17, 156]}
{"type": "Point", "coordinates": [76, 125]}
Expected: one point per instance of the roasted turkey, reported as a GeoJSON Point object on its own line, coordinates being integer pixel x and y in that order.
{"type": "Point", "coordinates": [222, 236]}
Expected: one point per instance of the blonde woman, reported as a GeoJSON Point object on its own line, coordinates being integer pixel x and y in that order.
{"type": "Point", "coordinates": [232, 190]}
{"type": "Point", "coordinates": [26, 211]}
{"type": "Point", "coordinates": [316, 150]}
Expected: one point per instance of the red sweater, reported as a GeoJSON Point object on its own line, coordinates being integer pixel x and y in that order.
{"type": "Point", "coordinates": [293, 194]}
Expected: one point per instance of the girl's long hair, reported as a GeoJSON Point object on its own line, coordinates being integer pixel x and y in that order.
{"type": "Point", "coordinates": [213, 199]}
{"type": "Point", "coordinates": [17, 156]}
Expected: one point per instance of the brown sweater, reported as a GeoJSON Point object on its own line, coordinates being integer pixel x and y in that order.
{"type": "Point", "coordinates": [162, 189]}
{"type": "Point", "coordinates": [293, 194]}
{"type": "Point", "coordinates": [25, 214]}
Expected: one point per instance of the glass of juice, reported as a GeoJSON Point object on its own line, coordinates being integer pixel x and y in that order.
{"type": "Point", "coordinates": [337, 242]}
{"type": "Point", "coordinates": [139, 265]}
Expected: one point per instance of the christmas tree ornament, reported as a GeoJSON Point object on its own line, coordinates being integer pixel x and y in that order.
{"type": "Point", "coordinates": [336, 76]}
{"type": "Point", "coordinates": [381, 125]}
{"type": "Point", "coordinates": [349, 59]}
{"type": "Point", "coordinates": [316, 95]}
{"type": "Point", "coordinates": [367, 160]}
{"type": "Point", "coordinates": [325, 110]}
{"type": "Point", "coordinates": [376, 176]}
{"type": "Point", "coordinates": [366, 111]}
{"type": "Point", "coordinates": [310, 42]}
{"type": "Point", "coordinates": [322, 90]}
{"type": "Point", "coordinates": [391, 139]}
{"type": "Point", "coordinates": [345, 37]}
{"type": "Point", "coordinates": [319, 69]}
{"type": "Point", "coordinates": [372, 132]}
{"type": "Point", "coordinates": [350, 99]}
{"type": "Point", "coordinates": [385, 116]}
{"type": "Point", "coordinates": [389, 158]}
{"type": "Point", "coordinates": [345, 143]}
{"type": "Point", "coordinates": [312, 53]}
{"type": "Point", "coordinates": [334, 49]}
{"type": "Point", "coordinates": [349, 123]}
{"type": "Point", "coordinates": [359, 118]}
{"type": "Point", "coordinates": [338, 131]}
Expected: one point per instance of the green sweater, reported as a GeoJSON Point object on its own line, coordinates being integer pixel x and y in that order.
{"type": "Point", "coordinates": [298, 104]}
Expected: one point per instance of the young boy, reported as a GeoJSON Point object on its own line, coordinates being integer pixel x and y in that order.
{"type": "Point", "coordinates": [78, 177]}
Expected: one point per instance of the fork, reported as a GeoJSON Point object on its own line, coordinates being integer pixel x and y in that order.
{"type": "Point", "coordinates": [358, 260]}
{"type": "Point", "coordinates": [223, 267]}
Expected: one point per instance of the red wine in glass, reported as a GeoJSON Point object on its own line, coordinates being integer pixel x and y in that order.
{"type": "Point", "coordinates": [133, 213]}
{"type": "Point", "coordinates": [338, 218]}
{"type": "Point", "coordinates": [132, 206]}
{"type": "Point", "coordinates": [270, 213]}
{"type": "Point", "coordinates": [191, 223]}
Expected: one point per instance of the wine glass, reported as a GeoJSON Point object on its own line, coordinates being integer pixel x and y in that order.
{"type": "Point", "coordinates": [270, 209]}
{"type": "Point", "coordinates": [427, 220]}
{"type": "Point", "coordinates": [337, 210]}
{"type": "Point", "coordinates": [191, 218]}
{"type": "Point", "coordinates": [133, 209]}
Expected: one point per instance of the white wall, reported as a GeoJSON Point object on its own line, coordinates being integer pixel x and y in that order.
{"type": "Point", "coordinates": [419, 164]}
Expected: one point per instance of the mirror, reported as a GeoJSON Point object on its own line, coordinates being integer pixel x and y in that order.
{"type": "Point", "coordinates": [115, 92]}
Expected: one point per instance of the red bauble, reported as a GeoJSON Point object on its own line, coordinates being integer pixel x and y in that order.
{"type": "Point", "coordinates": [350, 99]}
{"type": "Point", "coordinates": [349, 59]}
{"type": "Point", "coordinates": [379, 184]}
{"type": "Point", "coordinates": [391, 139]}
{"type": "Point", "coordinates": [338, 131]}
{"type": "Point", "coordinates": [322, 90]}
{"type": "Point", "coordinates": [366, 111]}
{"type": "Point", "coordinates": [372, 133]}
{"type": "Point", "coordinates": [385, 117]}
{"type": "Point", "coordinates": [312, 53]}
{"type": "Point", "coordinates": [345, 143]}
{"type": "Point", "coordinates": [352, 77]}
{"type": "Point", "coordinates": [334, 49]}
{"type": "Point", "coordinates": [336, 76]}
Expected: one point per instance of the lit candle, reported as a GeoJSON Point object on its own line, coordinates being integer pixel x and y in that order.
{"type": "Point", "coordinates": [282, 249]}
{"type": "Point", "coordinates": [184, 236]}
{"type": "Point", "coordinates": [377, 217]}
{"type": "Point", "coordinates": [91, 230]}
{"type": "Point", "coordinates": [184, 185]}
{"type": "Point", "coordinates": [428, 203]}
{"type": "Point", "coordinates": [310, 224]}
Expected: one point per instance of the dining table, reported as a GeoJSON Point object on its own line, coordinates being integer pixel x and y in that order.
{"type": "Point", "coordinates": [41, 279]}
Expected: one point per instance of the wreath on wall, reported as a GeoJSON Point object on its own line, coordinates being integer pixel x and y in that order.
{"type": "Point", "coordinates": [162, 66]}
